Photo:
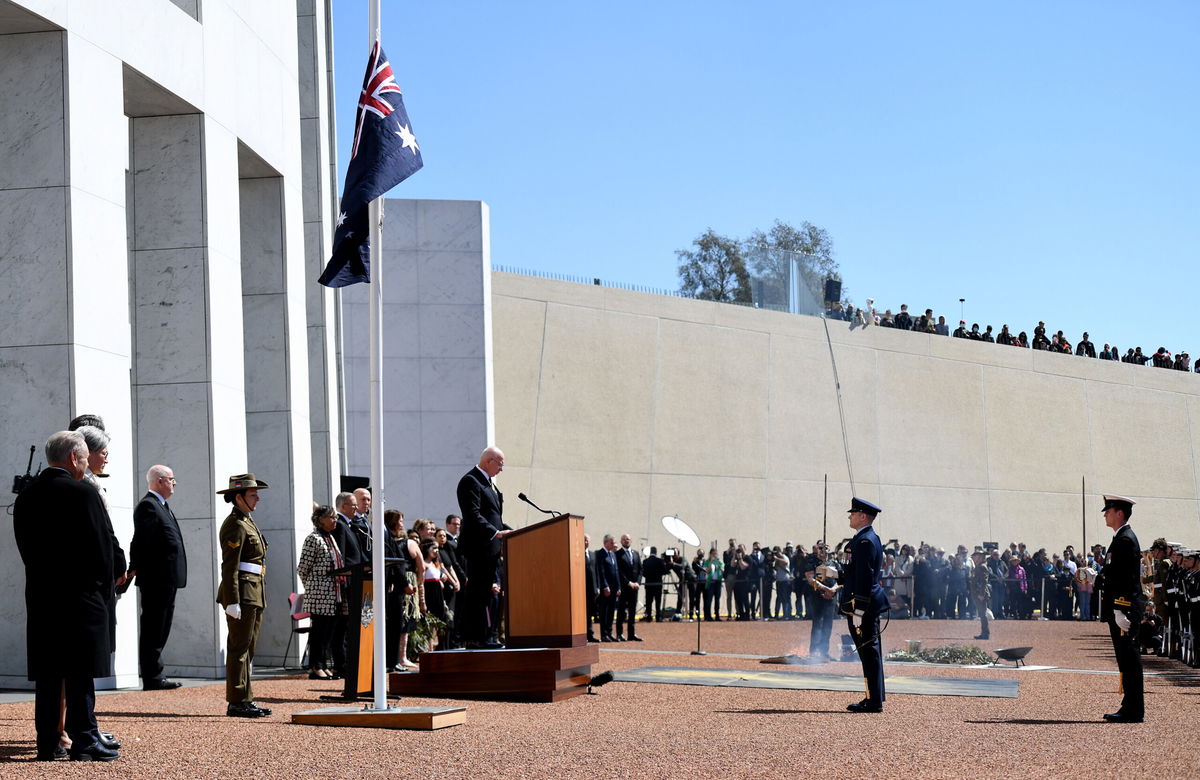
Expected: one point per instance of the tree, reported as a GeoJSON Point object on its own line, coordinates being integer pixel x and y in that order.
{"type": "Point", "coordinates": [771, 253]}
{"type": "Point", "coordinates": [715, 271]}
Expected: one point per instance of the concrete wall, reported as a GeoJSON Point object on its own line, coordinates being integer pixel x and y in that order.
{"type": "Point", "coordinates": [625, 407]}
{"type": "Point", "coordinates": [437, 348]}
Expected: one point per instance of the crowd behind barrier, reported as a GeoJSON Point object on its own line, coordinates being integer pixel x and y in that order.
{"type": "Point", "coordinates": [1056, 342]}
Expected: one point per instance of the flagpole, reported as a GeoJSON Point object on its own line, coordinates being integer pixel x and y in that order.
{"type": "Point", "coordinates": [379, 494]}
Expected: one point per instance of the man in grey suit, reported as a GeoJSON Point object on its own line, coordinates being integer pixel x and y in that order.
{"type": "Point", "coordinates": [158, 558]}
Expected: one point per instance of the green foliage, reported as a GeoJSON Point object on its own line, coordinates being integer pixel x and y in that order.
{"type": "Point", "coordinates": [721, 268]}
{"type": "Point", "coordinates": [420, 639]}
{"type": "Point", "coordinates": [771, 254]}
{"type": "Point", "coordinates": [715, 271]}
{"type": "Point", "coordinates": [961, 655]}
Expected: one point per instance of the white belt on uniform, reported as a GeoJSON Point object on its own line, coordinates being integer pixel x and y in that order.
{"type": "Point", "coordinates": [253, 568]}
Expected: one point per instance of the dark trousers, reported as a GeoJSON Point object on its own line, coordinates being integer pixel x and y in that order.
{"type": "Point", "coordinates": [821, 612]}
{"type": "Point", "coordinates": [752, 598]}
{"type": "Point", "coordinates": [81, 715]}
{"type": "Point", "coordinates": [870, 652]}
{"type": "Point", "coordinates": [476, 599]}
{"type": "Point", "coordinates": [741, 596]}
{"type": "Point", "coordinates": [590, 601]}
{"type": "Point", "coordinates": [783, 600]}
{"type": "Point", "coordinates": [653, 601]}
{"type": "Point", "coordinates": [712, 597]}
{"type": "Point", "coordinates": [158, 610]}
{"type": "Point", "coordinates": [395, 622]}
{"type": "Point", "coordinates": [981, 608]}
{"type": "Point", "coordinates": [321, 634]}
{"type": "Point", "coordinates": [337, 642]}
{"type": "Point", "coordinates": [606, 607]}
{"type": "Point", "coordinates": [239, 653]}
{"type": "Point", "coordinates": [1129, 663]}
{"type": "Point", "coordinates": [627, 611]}
{"type": "Point", "coordinates": [766, 597]}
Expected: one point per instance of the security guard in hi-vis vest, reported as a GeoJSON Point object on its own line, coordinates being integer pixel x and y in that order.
{"type": "Point", "coordinates": [243, 559]}
{"type": "Point", "coordinates": [1122, 605]}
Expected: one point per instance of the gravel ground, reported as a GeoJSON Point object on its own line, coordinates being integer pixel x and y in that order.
{"type": "Point", "coordinates": [645, 730]}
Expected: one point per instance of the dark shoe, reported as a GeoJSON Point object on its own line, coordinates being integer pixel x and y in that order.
{"type": "Point", "coordinates": [620, 638]}
{"type": "Point", "coordinates": [94, 752]}
{"type": "Point", "coordinates": [633, 638]}
{"type": "Point", "coordinates": [245, 709]}
{"type": "Point", "coordinates": [983, 636]}
{"type": "Point", "coordinates": [866, 705]}
{"type": "Point", "coordinates": [109, 741]}
{"type": "Point", "coordinates": [161, 684]}
{"type": "Point", "coordinates": [1120, 717]}
{"type": "Point", "coordinates": [607, 639]}
{"type": "Point", "coordinates": [315, 676]}
{"type": "Point", "coordinates": [49, 755]}
{"type": "Point", "coordinates": [493, 644]}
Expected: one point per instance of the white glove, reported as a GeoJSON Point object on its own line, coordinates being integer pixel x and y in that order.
{"type": "Point", "coordinates": [235, 611]}
{"type": "Point", "coordinates": [1121, 620]}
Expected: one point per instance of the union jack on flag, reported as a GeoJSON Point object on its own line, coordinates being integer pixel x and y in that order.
{"type": "Point", "coordinates": [385, 153]}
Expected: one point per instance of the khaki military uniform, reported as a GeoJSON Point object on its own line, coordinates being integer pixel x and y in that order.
{"type": "Point", "coordinates": [243, 569]}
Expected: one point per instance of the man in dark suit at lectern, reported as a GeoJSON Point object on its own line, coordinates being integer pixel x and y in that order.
{"type": "Point", "coordinates": [483, 528]}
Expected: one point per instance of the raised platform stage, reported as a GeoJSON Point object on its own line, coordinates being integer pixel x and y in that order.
{"type": "Point", "coordinates": [533, 674]}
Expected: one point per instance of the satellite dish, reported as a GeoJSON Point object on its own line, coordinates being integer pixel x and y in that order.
{"type": "Point", "coordinates": [680, 530]}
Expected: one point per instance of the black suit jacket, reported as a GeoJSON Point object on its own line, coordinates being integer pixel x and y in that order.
{"type": "Point", "coordinates": [156, 552]}
{"type": "Point", "coordinates": [629, 564]}
{"type": "Point", "coordinates": [347, 542]}
{"type": "Point", "coordinates": [481, 507]}
{"type": "Point", "coordinates": [61, 527]}
{"type": "Point", "coordinates": [589, 568]}
{"type": "Point", "coordinates": [1121, 578]}
{"type": "Point", "coordinates": [607, 575]}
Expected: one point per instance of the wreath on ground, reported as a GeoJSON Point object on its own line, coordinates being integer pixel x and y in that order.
{"type": "Point", "coordinates": [961, 655]}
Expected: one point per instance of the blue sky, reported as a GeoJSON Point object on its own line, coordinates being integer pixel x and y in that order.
{"type": "Point", "coordinates": [1039, 159]}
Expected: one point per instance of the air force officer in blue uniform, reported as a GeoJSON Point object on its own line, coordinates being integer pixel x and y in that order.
{"type": "Point", "coordinates": [863, 600]}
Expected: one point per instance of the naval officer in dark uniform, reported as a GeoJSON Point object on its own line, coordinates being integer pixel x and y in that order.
{"type": "Point", "coordinates": [863, 601]}
{"type": "Point", "coordinates": [243, 559]}
{"type": "Point", "coordinates": [1122, 604]}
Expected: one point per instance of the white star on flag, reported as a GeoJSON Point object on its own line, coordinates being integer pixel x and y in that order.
{"type": "Point", "coordinates": [407, 139]}
{"type": "Point", "coordinates": [341, 219]}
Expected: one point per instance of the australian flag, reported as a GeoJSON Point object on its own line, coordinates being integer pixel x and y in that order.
{"type": "Point", "coordinates": [385, 153]}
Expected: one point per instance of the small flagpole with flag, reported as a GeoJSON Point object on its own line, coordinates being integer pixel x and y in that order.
{"type": "Point", "coordinates": [384, 153]}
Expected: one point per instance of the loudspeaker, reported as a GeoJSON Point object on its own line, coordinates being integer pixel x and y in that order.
{"type": "Point", "coordinates": [833, 289]}
{"type": "Point", "coordinates": [351, 483]}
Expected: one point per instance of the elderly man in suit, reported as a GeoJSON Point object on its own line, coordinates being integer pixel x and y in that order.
{"type": "Point", "coordinates": [159, 560]}
{"type": "Point", "coordinates": [481, 505]}
{"type": "Point", "coordinates": [608, 585]}
{"type": "Point", "coordinates": [61, 529]}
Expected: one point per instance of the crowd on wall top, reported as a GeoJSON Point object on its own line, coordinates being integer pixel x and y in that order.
{"type": "Point", "coordinates": [1057, 342]}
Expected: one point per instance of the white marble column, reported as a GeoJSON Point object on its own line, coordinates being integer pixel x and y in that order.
{"type": "Point", "coordinates": [64, 324]}
{"type": "Point", "coordinates": [437, 352]}
{"type": "Point", "coordinates": [276, 399]}
{"type": "Point", "coordinates": [188, 374]}
{"type": "Point", "coordinates": [320, 190]}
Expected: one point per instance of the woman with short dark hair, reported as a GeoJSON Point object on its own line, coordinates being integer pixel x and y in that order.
{"type": "Point", "coordinates": [324, 593]}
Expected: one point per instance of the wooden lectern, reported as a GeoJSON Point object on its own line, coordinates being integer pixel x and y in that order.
{"type": "Point", "coordinates": [544, 584]}
{"type": "Point", "coordinates": [547, 657]}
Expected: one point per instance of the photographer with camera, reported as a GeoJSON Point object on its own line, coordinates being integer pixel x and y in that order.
{"type": "Point", "coordinates": [822, 578]}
